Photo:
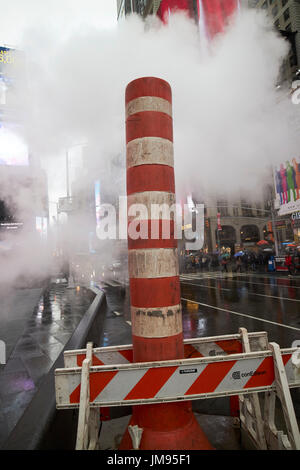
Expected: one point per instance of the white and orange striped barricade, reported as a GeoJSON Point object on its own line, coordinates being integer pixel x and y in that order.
{"type": "Point", "coordinates": [193, 347]}
{"type": "Point", "coordinates": [188, 379]}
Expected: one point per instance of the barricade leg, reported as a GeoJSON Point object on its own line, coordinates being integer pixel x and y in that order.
{"type": "Point", "coordinates": [276, 440]}
{"type": "Point", "coordinates": [283, 393]}
{"type": "Point", "coordinates": [250, 409]}
{"type": "Point", "coordinates": [88, 420]}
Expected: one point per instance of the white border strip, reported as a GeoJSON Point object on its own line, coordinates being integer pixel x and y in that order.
{"type": "Point", "coordinates": [149, 151]}
{"type": "Point", "coordinates": [148, 103]}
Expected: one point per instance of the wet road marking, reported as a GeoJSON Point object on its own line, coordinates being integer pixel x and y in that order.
{"type": "Point", "coordinates": [216, 276]}
{"type": "Point", "coordinates": [117, 313]}
{"type": "Point", "coordinates": [129, 322]}
{"type": "Point", "coordinates": [203, 285]}
{"type": "Point", "coordinates": [219, 274]}
{"type": "Point", "coordinates": [249, 293]}
{"type": "Point", "coordinates": [263, 276]}
{"type": "Point", "coordinates": [241, 314]}
{"type": "Point", "coordinates": [230, 278]}
{"type": "Point", "coordinates": [264, 284]}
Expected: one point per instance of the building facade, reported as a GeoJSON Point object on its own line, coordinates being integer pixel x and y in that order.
{"type": "Point", "coordinates": [23, 183]}
{"type": "Point", "coordinates": [285, 15]}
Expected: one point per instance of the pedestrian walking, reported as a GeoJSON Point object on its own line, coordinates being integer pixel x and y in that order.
{"type": "Point", "coordinates": [238, 264]}
{"type": "Point", "coordinates": [290, 265]}
{"type": "Point", "coordinates": [245, 262]}
{"type": "Point", "coordinates": [224, 265]}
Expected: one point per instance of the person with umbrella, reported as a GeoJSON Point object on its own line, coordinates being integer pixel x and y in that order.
{"type": "Point", "coordinates": [224, 261]}
{"type": "Point", "coordinates": [238, 262]}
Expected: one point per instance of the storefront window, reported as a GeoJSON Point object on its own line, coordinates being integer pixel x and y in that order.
{"type": "Point", "coordinates": [250, 234]}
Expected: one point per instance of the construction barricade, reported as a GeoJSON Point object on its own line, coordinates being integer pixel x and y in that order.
{"type": "Point", "coordinates": [244, 364]}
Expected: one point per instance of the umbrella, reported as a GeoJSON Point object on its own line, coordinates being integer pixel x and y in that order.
{"type": "Point", "coordinates": [262, 242]}
{"type": "Point", "coordinates": [239, 253]}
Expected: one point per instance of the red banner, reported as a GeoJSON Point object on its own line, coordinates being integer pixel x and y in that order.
{"type": "Point", "coordinates": [219, 221]}
{"type": "Point", "coordinates": [216, 12]}
{"type": "Point", "coordinates": [171, 6]}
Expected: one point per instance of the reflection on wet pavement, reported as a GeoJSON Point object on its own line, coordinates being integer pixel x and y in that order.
{"type": "Point", "coordinates": [45, 334]}
{"type": "Point", "coordinates": [116, 329]}
{"type": "Point", "coordinates": [258, 302]}
{"type": "Point", "coordinates": [252, 301]}
{"type": "Point", "coordinates": [220, 306]}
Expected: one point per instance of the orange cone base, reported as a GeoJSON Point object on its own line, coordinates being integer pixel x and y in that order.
{"type": "Point", "coordinates": [174, 435]}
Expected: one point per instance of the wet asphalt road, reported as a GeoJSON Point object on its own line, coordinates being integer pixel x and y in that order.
{"type": "Point", "coordinates": [215, 303]}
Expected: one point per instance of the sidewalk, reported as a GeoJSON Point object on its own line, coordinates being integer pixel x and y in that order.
{"type": "Point", "coordinates": [46, 327]}
{"type": "Point", "coordinates": [16, 307]}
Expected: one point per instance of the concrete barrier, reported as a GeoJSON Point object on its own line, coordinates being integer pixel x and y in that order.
{"type": "Point", "coordinates": [41, 426]}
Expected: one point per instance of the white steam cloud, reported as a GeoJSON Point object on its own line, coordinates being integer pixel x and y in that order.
{"type": "Point", "coordinates": [230, 121]}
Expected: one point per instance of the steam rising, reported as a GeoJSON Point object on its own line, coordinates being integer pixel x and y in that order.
{"type": "Point", "coordinates": [230, 121]}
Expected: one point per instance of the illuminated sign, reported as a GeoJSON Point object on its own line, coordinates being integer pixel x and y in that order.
{"type": "Point", "coordinates": [11, 65]}
{"type": "Point", "coordinates": [296, 216]}
{"type": "Point", "coordinates": [287, 187]}
{"type": "Point", "coordinates": [10, 59]}
{"type": "Point", "coordinates": [13, 150]}
{"type": "Point", "coordinates": [7, 56]}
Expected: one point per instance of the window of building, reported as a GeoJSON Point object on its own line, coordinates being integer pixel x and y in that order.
{"type": "Point", "coordinates": [275, 10]}
{"type": "Point", "coordinates": [226, 236]}
{"type": "Point", "coordinates": [286, 15]}
{"type": "Point", "coordinates": [235, 211]}
{"type": "Point", "coordinates": [249, 234]}
{"type": "Point", "coordinates": [259, 211]}
{"type": "Point", "coordinates": [222, 206]}
{"type": "Point", "coordinates": [246, 209]}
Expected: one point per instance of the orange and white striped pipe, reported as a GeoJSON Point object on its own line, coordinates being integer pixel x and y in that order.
{"type": "Point", "coordinates": [153, 262]}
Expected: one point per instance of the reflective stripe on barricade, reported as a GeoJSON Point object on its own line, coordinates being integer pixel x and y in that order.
{"type": "Point", "coordinates": [195, 347]}
{"type": "Point", "coordinates": [175, 380]}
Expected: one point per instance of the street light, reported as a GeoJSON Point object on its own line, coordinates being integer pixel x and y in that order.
{"type": "Point", "coordinates": [82, 144]}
